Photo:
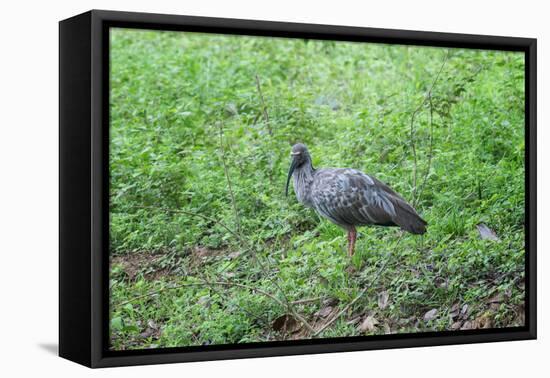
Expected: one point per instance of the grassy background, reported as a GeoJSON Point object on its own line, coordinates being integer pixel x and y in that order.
{"type": "Point", "coordinates": [198, 259]}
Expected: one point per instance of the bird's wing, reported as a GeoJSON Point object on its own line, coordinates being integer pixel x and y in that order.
{"type": "Point", "coordinates": [405, 215]}
{"type": "Point", "coordinates": [350, 197]}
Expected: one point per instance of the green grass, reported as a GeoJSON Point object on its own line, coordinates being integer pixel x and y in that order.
{"type": "Point", "coordinates": [182, 104]}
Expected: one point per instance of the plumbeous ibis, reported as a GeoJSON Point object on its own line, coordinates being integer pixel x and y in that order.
{"type": "Point", "coordinates": [349, 197]}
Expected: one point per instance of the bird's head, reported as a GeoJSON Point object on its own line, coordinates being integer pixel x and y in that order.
{"type": "Point", "coordinates": [300, 156]}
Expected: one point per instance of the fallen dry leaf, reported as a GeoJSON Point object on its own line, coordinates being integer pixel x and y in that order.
{"type": "Point", "coordinates": [497, 298]}
{"type": "Point", "coordinates": [409, 320]}
{"type": "Point", "coordinates": [486, 233]}
{"type": "Point", "coordinates": [467, 325]}
{"type": "Point", "coordinates": [456, 325]}
{"type": "Point", "coordinates": [285, 324]}
{"type": "Point", "coordinates": [147, 333]}
{"type": "Point", "coordinates": [464, 311]}
{"type": "Point", "coordinates": [354, 320]}
{"type": "Point", "coordinates": [484, 321]}
{"type": "Point", "coordinates": [368, 324]}
{"type": "Point", "coordinates": [153, 330]}
{"type": "Point", "coordinates": [383, 298]}
{"type": "Point", "coordinates": [324, 312]}
{"type": "Point", "coordinates": [430, 315]}
{"type": "Point", "coordinates": [330, 302]}
{"type": "Point", "coordinates": [455, 310]}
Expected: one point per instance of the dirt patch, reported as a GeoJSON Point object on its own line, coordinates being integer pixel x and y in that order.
{"type": "Point", "coordinates": [158, 265]}
{"type": "Point", "coordinates": [144, 263]}
{"type": "Point", "coordinates": [200, 255]}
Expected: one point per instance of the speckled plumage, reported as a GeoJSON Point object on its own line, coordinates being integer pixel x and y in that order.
{"type": "Point", "coordinates": [349, 197]}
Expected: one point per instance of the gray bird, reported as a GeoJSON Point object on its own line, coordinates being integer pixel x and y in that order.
{"type": "Point", "coordinates": [349, 197]}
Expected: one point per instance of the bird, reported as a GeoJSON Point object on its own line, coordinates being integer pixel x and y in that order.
{"type": "Point", "coordinates": [349, 198]}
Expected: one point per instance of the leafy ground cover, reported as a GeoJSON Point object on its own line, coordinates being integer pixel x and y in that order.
{"type": "Point", "coordinates": [206, 249]}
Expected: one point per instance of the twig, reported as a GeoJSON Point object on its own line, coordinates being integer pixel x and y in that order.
{"type": "Point", "coordinates": [361, 293]}
{"type": "Point", "coordinates": [264, 107]}
{"type": "Point", "coordinates": [413, 147]}
{"type": "Point", "coordinates": [307, 300]}
{"type": "Point", "coordinates": [269, 128]}
{"type": "Point", "coordinates": [228, 179]}
{"type": "Point", "coordinates": [430, 156]}
{"type": "Point", "coordinates": [412, 129]}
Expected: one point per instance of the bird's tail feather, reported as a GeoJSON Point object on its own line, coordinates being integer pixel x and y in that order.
{"type": "Point", "coordinates": [408, 219]}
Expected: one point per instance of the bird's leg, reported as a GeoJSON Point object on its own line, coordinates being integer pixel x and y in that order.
{"type": "Point", "coordinates": [352, 236]}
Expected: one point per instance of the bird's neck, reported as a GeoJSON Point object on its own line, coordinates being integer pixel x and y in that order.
{"type": "Point", "coordinates": [303, 178]}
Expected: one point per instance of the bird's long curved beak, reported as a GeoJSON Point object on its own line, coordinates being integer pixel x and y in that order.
{"type": "Point", "coordinates": [290, 172]}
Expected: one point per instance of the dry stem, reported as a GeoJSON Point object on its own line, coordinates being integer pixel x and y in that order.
{"type": "Point", "coordinates": [426, 98]}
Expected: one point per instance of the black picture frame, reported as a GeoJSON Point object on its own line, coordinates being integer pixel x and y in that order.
{"type": "Point", "coordinates": [83, 182]}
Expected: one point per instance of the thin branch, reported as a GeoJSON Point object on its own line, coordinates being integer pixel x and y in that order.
{"type": "Point", "coordinates": [264, 107]}
{"type": "Point", "coordinates": [269, 129]}
{"type": "Point", "coordinates": [412, 129]}
{"type": "Point", "coordinates": [307, 300]}
{"type": "Point", "coordinates": [413, 147]}
{"type": "Point", "coordinates": [430, 155]}
{"type": "Point", "coordinates": [228, 179]}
